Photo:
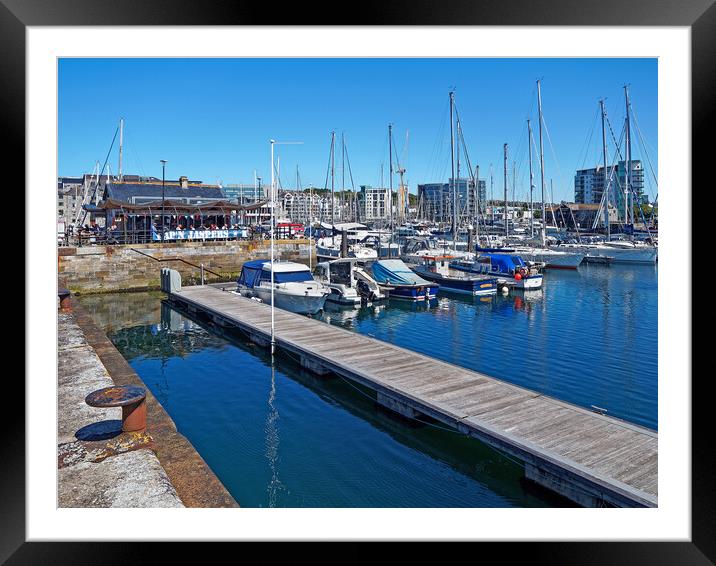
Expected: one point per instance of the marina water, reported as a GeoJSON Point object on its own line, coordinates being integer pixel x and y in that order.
{"type": "Point", "coordinates": [280, 436]}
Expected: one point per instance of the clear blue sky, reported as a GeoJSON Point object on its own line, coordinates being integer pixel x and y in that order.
{"type": "Point", "coordinates": [212, 119]}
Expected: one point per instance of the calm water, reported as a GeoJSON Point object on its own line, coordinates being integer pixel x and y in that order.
{"type": "Point", "coordinates": [282, 437]}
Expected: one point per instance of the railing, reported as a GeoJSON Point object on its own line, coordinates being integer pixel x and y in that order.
{"type": "Point", "coordinates": [116, 237]}
{"type": "Point", "coordinates": [182, 260]}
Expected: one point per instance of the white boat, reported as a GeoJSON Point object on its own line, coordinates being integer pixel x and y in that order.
{"type": "Point", "coordinates": [550, 257]}
{"type": "Point", "coordinates": [349, 284]}
{"type": "Point", "coordinates": [294, 288]}
{"type": "Point", "coordinates": [417, 249]}
{"type": "Point", "coordinates": [504, 266]}
{"type": "Point", "coordinates": [619, 251]}
{"type": "Point", "coordinates": [330, 248]}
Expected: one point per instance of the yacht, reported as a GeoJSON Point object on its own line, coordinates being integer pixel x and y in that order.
{"type": "Point", "coordinates": [294, 288]}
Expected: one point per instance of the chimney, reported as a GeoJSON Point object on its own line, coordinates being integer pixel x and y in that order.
{"type": "Point", "coordinates": [184, 182]}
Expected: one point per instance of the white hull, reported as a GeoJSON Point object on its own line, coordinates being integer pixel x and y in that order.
{"type": "Point", "coordinates": [526, 283]}
{"type": "Point", "coordinates": [332, 252]}
{"type": "Point", "coordinates": [635, 255]}
{"type": "Point", "coordinates": [563, 260]}
{"type": "Point", "coordinates": [301, 304]}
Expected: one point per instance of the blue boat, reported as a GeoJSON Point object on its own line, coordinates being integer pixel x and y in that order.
{"type": "Point", "coordinates": [436, 269]}
{"type": "Point", "coordinates": [397, 279]}
{"type": "Point", "coordinates": [512, 268]}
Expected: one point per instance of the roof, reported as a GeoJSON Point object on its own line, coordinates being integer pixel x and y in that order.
{"type": "Point", "coordinates": [126, 191]}
{"type": "Point", "coordinates": [172, 206]}
{"type": "Point", "coordinates": [278, 266]}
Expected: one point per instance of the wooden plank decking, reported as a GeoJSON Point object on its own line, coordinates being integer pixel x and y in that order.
{"type": "Point", "coordinates": [588, 457]}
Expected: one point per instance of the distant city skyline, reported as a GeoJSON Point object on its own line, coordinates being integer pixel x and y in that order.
{"type": "Point", "coordinates": [212, 119]}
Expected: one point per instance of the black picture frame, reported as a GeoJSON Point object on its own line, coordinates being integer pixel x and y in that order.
{"type": "Point", "coordinates": [699, 15]}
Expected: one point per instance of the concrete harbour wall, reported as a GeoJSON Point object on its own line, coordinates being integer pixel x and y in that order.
{"type": "Point", "coordinates": [103, 269]}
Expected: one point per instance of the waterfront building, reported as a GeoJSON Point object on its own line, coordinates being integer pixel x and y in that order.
{"type": "Point", "coordinates": [436, 199]}
{"type": "Point", "coordinates": [589, 183]}
{"type": "Point", "coordinates": [581, 216]}
{"type": "Point", "coordinates": [249, 194]}
{"type": "Point", "coordinates": [306, 207]}
{"type": "Point", "coordinates": [375, 203]}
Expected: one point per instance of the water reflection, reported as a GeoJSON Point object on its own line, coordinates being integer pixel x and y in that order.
{"type": "Point", "coordinates": [272, 440]}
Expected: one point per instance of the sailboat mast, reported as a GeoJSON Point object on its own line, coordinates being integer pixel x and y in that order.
{"type": "Point", "coordinates": [343, 172]}
{"type": "Point", "coordinates": [541, 162]}
{"type": "Point", "coordinates": [333, 177]}
{"type": "Point", "coordinates": [492, 195]}
{"type": "Point", "coordinates": [390, 181]}
{"type": "Point", "coordinates": [605, 193]}
{"type": "Point", "coordinates": [628, 205]}
{"type": "Point", "coordinates": [477, 201]}
{"type": "Point", "coordinates": [452, 169]}
{"type": "Point", "coordinates": [457, 159]}
{"type": "Point", "coordinates": [121, 146]}
{"type": "Point", "coordinates": [532, 184]}
{"type": "Point", "coordinates": [507, 231]}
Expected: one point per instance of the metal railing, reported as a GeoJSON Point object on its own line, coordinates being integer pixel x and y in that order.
{"type": "Point", "coordinates": [200, 267]}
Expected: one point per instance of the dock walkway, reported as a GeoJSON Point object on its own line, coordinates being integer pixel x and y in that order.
{"type": "Point", "coordinates": [592, 459]}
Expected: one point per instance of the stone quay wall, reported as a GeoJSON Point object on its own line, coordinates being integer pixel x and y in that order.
{"type": "Point", "coordinates": [105, 269]}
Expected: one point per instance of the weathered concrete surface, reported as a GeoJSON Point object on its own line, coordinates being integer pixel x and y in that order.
{"type": "Point", "coordinates": [132, 479]}
{"type": "Point", "coordinates": [194, 482]}
{"type": "Point", "coordinates": [102, 269]}
{"type": "Point", "coordinates": [98, 466]}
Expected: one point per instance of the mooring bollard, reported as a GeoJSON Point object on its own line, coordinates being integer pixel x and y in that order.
{"type": "Point", "coordinates": [64, 296]}
{"type": "Point", "coordinates": [131, 398]}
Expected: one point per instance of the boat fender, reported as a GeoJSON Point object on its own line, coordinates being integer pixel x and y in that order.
{"type": "Point", "coordinates": [518, 276]}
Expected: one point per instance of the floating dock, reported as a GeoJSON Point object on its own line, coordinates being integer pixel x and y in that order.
{"type": "Point", "coordinates": [593, 459]}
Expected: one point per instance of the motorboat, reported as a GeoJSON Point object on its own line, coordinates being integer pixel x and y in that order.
{"type": "Point", "coordinates": [512, 268]}
{"type": "Point", "coordinates": [437, 270]}
{"type": "Point", "coordinates": [349, 284]}
{"type": "Point", "coordinates": [400, 282]}
{"type": "Point", "coordinates": [294, 288]}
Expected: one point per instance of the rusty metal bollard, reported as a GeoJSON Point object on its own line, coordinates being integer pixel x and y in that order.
{"type": "Point", "coordinates": [64, 296]}
{"type": "Point", "coordinates": [131, 398]}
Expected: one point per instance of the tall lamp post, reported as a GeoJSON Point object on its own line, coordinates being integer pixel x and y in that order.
{"type": "Point", "coordinates": [164, 164]}
{"type": "Point", "coordinates": [273, 227]}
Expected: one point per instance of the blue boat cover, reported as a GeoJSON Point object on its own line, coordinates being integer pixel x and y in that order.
{"type": "Point", "coordinates": [505, 263]}
{"type": "Point", "coordinates": [395, 272]}
{"type": "Point", "coordinates": [250, 273]}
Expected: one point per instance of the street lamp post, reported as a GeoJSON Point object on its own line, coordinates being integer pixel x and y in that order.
{"type": "Point", "coordinates": [273, 227]}
{"type": "Point", "coordinates": [164, 164]}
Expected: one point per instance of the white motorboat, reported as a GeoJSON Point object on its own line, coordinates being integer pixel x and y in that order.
{"type": "Point", "coordinates": [330, 248]}
{"type": "Point", "coordinates": [294, 288]}
{"type": "Point", "coordinates": [349, 284]}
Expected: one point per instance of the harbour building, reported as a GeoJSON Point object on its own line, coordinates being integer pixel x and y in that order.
{"type": "Point", "coordinates": [306, 207]}
{"type": "Point", "coordinates": [436, 199]}
{"type": "Point", "coordinates": [589, 184]}
{"type": "Point", "coordinates": [374, 203]}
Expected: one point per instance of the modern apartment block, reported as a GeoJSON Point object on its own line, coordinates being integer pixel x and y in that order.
{"type": "Point", "coordinates": [375, 203]}
{"type": "Point", "coordinates": [436, 199]}
{"type": "Point", "coordinates": [589, 183]}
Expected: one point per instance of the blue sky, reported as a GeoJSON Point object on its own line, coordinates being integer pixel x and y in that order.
{"type": "Point", "coordinates": [212, 119]}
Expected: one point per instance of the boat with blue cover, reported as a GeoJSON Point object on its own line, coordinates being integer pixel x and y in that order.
{"type": "Point", "coordinates": [400, 282]}
{"type": "Point", "coordinates": [512, 268]}
{"type": "Point", "coordinates": [294, 288]}
{"type": "Point", "coordinates": [437, 270]}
